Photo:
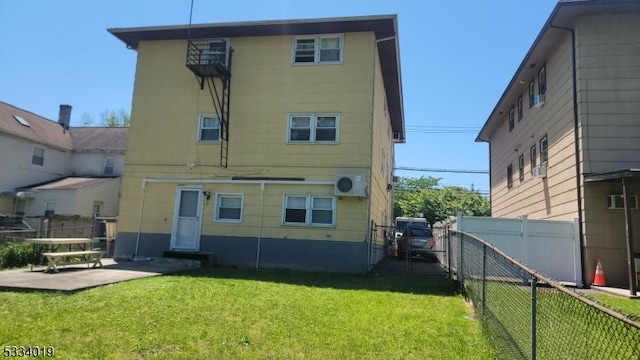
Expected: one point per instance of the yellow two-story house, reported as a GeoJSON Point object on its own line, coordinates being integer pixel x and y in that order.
{"type": "Point", "coordinates": [270, 144]}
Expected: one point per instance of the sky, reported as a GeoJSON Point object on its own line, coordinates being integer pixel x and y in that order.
{"type": "Point", "coordinates": [457, 58]}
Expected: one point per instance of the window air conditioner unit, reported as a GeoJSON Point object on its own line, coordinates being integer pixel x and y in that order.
{"type": "Point", "coordinates": [539, 172]}
{"type": "Point", "coordinates": [350, 185]}
{"type": "Point", "coordinates": [538, 100]}
{"type": "Point", "coordinates": [617, 202]}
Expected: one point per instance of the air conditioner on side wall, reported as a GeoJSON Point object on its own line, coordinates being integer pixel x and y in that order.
{"type": "Point", "coordinates": [350, 185]}
{"type": "Point", "coordinates": [539, 172]}
{"type": "Point", "coordinates": [538, 100]}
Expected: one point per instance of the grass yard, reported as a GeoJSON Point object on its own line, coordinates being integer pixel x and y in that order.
{"type": "Point", "coordinates": [224, 313]}
{"type": "Point", "coordinates": [627, 306]}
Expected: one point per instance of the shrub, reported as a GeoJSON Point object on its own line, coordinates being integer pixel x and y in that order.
{"type": "Point", "coordinates": [14, 255]}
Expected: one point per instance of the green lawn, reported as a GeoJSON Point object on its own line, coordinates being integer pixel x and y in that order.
{"type": "Point", "coordinates": [250, 314]}
{"type": "Point", "coordinates": [627, 306]}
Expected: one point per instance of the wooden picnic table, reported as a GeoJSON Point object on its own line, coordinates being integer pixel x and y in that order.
{"type": "Point", "coordinates": [65, 251]}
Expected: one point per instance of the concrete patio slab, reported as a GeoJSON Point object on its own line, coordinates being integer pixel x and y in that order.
{"type": "Point", "coordinates": [79, 277]}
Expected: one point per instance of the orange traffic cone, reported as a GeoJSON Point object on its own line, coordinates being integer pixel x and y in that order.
{"type": "Point", "coordinates": [599, 279]}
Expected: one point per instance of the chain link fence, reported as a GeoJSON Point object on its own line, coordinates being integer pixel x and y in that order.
{"type": "Point", "coordinates": [529, 316]}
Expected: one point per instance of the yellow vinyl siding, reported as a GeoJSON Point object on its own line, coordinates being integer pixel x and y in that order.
{"type": "Point", "coordinates": [382, 137]}
{"type": "Point", "coordinates": [265, 89]}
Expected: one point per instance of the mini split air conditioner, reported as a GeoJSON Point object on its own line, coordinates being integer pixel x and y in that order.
{"type": "Point", "coordinates": [538, 100]}
{"type": "Point", "coordinates": [539, 172]}
{"type": "Point", "coordinates": [350, 185]}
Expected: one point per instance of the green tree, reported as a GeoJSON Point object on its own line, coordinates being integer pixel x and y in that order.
{"type": "Point", "coordinates": [112, 118]}
{"type": "Point", "coordinates": [422, 195]}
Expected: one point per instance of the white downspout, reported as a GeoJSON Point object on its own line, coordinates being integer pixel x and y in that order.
{"type": "Point", "coordinates": [262, 186]}
{"type": "Point", "coordinates": [144, 186]}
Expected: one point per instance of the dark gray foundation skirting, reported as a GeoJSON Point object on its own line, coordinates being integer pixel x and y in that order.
{"type": "Point", "coordinates": [315, 255]}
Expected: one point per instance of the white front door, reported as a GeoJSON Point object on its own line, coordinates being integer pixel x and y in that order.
{"type": "Point", "coordinates": [186, 219]}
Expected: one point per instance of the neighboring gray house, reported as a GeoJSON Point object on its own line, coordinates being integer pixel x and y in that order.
{"type": "Point", "coordinates": [48, 167]}
{"type": "Point", "coordinates": [564, 138]}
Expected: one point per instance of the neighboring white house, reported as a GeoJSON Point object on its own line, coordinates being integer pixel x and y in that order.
{"type": "Point", "coordinates": [49, 167]}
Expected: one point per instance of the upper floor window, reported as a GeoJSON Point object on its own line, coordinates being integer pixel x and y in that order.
{"type": "Point", "coordinates": [542, 81]}
{"type": "Point", "coordinates": [229, 207]}
{"type": "Point", "coordinates": [49, 208]}
{"type": "Point", "coordinates": [318, 49]}
{"type": "Point", "coordinates": [532, 93]}
{"type": "Point", "coordinates": [208, 128]}
{"type": "Point", "coordinates": [511, 118]}
{"type": "Point", "coordinates": [544, 150]}
{"type": "Point", "coordinates": [520, 110]}
{"type": "Point", "coordinates": [215, 52]}
{"type": "Point", "coordinates": [532, 157]}
{"type": "Point", "coordinates": [509, 176]}
{"type": "Point", "coordinates": [521, 167]}
{"type": "Point", "coordinates": [109, 166]}
{"type": "Point", "coordinates": [97, 208]}
{"type": "Point", "coordinates": [313, 128]}
{"type": "Point", "coordinates": [309, 210]}
{"type": "Point", "coordinates": [38, 156]}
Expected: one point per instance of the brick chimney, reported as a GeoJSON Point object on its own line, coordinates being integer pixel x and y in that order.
{"type": "Point", "coordinates": [64, 117]}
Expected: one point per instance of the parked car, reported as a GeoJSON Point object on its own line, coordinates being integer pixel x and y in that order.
{"type": "Point", "coordinates": [418, 242]}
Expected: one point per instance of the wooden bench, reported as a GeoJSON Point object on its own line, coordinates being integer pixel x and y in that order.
{"type": "Point", "coordinates": [80, 257]}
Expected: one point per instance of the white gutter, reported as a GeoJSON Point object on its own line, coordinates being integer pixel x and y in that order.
{"type": "Point", "coordinates": [260, 226]}
{"type": "Point", "coordinates": [229, 181]}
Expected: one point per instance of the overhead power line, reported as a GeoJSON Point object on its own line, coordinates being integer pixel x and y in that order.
{"type": "Point", "coordinates": [457, 171]}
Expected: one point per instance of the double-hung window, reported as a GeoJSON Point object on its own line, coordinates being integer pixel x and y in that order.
{"type": "Point", "coordinates": [109, 166]}
{"type": "Point", "coordinates": [313, 128]}
{"type": "Point", "coordinates": [38, 156]}
{"type": "Point", "coordinates": [544, 150]}
{"type": "Point", "coordinates": [532, 154]}
{"type": "Point", "coordinates": [229, 207]}
{"type": "Point", "coordinates": [209, 128]}
{"type": "Point", "coordinates": [521, 167]}
{"type": "Point", "coordinates": [520, 110]}
{"type": "Point", "coordinates": [320, 49]}
{"type": "Point", "coordinates": [542, 81]}
{"type": "Point", "coordinates": [314, 210]}
{"type": "Point", "coordinates": [511, 118]}
{"type": "Point", "coordinates": [532, 93]}
{"type": "Point", "coordinates": [509, 176]}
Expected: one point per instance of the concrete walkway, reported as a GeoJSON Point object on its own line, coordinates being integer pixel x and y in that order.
{"type": "Point", "coordinates": [78, 277]}
{"type": "Point", "coordinates": [392, 265]}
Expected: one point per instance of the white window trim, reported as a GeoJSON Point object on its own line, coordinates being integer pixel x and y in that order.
{"type": "Point", "coordinates": [316, 56]}
{"type": "Point", "coordinates": [308, 209]}
{"type": "Point", "coordinates": [33, 153]}
{"type": "Point", "coordinates": [200, 118]}
{"type": "Point", "coordinates": [314, 121]}
{"type": "Point", "coordinates": [216, 215]}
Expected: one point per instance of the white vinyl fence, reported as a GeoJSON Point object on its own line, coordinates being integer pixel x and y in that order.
{"type": "Point", "coordinates": [549, 247]}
